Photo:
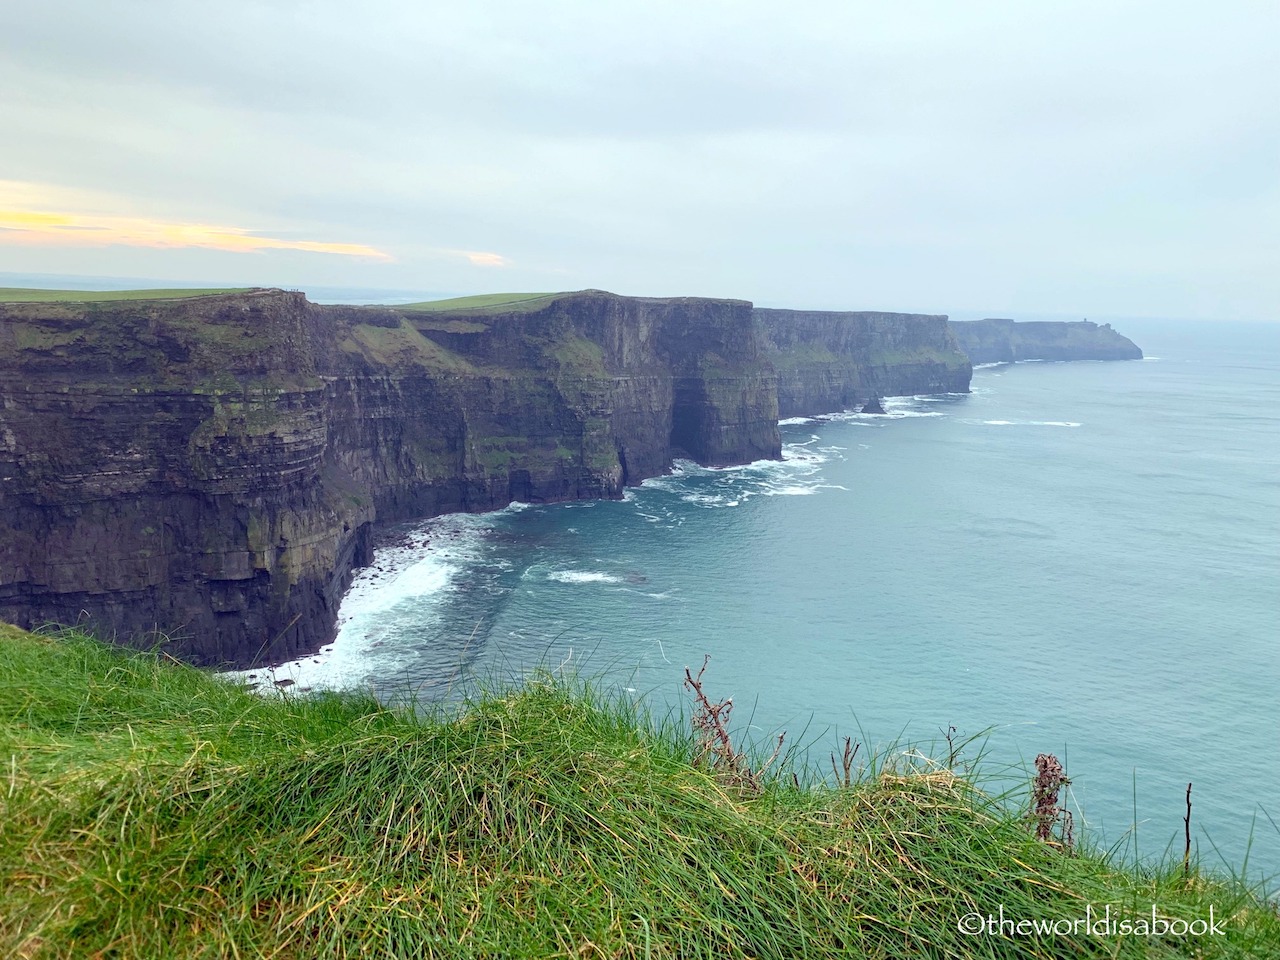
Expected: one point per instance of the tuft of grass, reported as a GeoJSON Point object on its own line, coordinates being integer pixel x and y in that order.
{"type": "Point", "coordinates": [151, 810]}
{"type": "Point", "coordinates": [31, 295]}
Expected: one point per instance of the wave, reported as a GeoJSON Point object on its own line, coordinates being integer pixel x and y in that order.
{"type": "Point", "coordinates": [795, 474]}
{"type": "Point", "coordinates": [582, 576]}
{"type": "Point", "coordinates": [1027, 423]}
{"type": "Point", "coordinates": [867, 419]}
{"type": "Point", "coordinates": [404, 581]}
{"type": "Point", "coordinates": [371, 595]}
{"type": "Point", "coordinates": [895, 408]}
{"type": "Point", "coordinates": [800, 489]}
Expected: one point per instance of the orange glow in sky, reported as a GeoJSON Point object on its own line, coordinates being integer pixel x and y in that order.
{"type": "Point", "coordinates": [58, 228]}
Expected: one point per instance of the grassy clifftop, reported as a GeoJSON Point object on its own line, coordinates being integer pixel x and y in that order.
{"type": "Point", "coordinates": [32, 295]}
{"type": "Point", "coordinates": [150, 810]}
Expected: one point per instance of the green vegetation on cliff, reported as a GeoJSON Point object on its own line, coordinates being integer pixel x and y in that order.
{"type": "Point", "coordinates": [150, 810]}
{"type": "Point", "coordinates": [481, 303]}
{"type": "Point", "coordinates": [31, 295]}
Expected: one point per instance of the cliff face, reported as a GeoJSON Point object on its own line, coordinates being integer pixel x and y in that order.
{"type": "Point", "coordinates": [834, 361]}
{"type": "Point", "coordinates": [163, 467]}
{"type": "Point", "coordinates": [1007, 341]}
{"type": "Point", "coordinates": [209, 468]}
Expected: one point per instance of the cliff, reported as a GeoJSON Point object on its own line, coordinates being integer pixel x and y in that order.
{"type": "Point", "coordinates": [210, 467]}
{"type": "Point", "coordinates": [829, 361]}
{"type": "Point", "coordinates": [1007, 341]}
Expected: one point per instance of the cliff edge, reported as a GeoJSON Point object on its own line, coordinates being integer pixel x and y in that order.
{"type": "Point", "coordinates": [1008, 341]}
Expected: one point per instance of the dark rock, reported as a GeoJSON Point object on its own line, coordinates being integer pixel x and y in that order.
{"type": "Point", "coordinates": [873, 406]}
{"type": "Point", "coordinates": [210, 468]}
{"type": "Point", "coordinates": [1008, 341]}
{"type": "Point", "coordinates": [829, 360]}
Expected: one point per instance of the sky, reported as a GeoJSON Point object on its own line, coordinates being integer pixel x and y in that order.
{"type": "Point", "coordinates": [1084, 158]}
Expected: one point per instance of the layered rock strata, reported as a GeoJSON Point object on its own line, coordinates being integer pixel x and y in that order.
{"type": "Point", "coordinates": [829, 360]}
{"type": "Point", "coordinates": [209, 468]}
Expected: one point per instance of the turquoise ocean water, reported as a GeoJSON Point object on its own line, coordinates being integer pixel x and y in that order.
{"type": "Point", "coordinates": [1082, 557]}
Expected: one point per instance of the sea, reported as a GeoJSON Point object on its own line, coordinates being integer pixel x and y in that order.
{"type": "Point", "coordinates": [1080, 559]}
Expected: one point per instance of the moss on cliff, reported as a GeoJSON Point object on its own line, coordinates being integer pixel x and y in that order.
{"type": "Point", "coordinates": [483, 303]}
{"type": "Point", "coordinates": [396, 348]}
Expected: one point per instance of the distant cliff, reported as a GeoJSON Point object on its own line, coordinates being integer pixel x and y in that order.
{"type": "Point", "coordinates": [1007, 341]}
{"type": "Point", "coordinates": [829, 360]}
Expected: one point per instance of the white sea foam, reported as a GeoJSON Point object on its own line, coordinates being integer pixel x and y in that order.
{"type": "Point", "coordinates": [799, 455]}
{"type": "Point", "coordinates": [791, 490]}
{"type": "Point", "coordinates": [869, 419]}
{"type": "Point", "coordinates": [404, 579]}
{"type": "Point", "coordinates": [895, 408]}
{"type": "Point", "coordinates": [707, 499]}
{"type": "Point", "coordinates": [582, 576]}
{"type": "Point", "coordinates": [907, 407]}
{"type": "Point", "coordinates": [1028, 423]}
{"type": "Point", "coordinates": [793, 421]}
{"type": "Point", "coordinates": [795, 474]}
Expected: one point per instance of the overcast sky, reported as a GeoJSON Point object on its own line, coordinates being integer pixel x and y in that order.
{"type": "Point", "coordinates": [1085, 158]}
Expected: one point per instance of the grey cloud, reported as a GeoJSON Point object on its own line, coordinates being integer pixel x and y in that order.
{"type": "Point", "coordinates": [929, 154]}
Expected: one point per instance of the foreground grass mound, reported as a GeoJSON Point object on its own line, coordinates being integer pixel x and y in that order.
{"type": "Point", "coordinates": [150, 811]}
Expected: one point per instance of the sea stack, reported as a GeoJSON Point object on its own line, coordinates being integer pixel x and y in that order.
{"type": "Point", "coordinates": [873, 406]}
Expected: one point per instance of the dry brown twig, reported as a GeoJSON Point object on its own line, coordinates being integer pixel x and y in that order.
{"type": "Point", "coordinates": [714, 745]}
{"type": "Point", "coordinates": [844, 773]}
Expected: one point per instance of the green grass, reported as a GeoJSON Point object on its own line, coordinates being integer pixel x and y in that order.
{"type": "Point", "coordinates": [401, 347]}
{"type": "Point", "coordinates": [483, 303]}
{"type": "Point", "coordinates": [148, 810]}
{"type": "Point", "coordinates": [22, 295]}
